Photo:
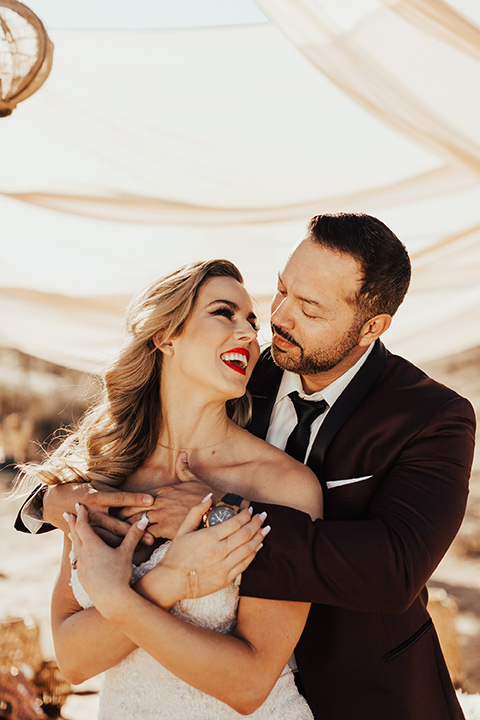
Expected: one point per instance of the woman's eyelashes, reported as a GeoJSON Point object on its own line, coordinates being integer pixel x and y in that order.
{"type": "Point", "coordinates": [225, 310]}
{"type": "Point", "coordinates": [229, 313]}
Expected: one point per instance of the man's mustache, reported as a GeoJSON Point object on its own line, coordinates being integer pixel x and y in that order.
{"type": "Point", "coordinates": [284, 334]}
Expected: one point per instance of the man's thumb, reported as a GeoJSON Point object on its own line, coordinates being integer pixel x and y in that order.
{"type": "Point", "coordinates": [181, 467]}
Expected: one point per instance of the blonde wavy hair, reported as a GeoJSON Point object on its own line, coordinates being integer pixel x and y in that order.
{"type": "Point", "coordinates": [120, 432]}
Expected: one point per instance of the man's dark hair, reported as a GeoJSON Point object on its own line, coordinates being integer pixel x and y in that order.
{"type": "Point", "coordinates": [382, 256]}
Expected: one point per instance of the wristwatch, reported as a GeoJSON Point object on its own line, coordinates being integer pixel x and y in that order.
{"type": "Point", "coordinates": [219, 513]}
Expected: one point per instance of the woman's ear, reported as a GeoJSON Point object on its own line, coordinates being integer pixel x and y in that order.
{"type": "Point", "coordinates": [165, 347]}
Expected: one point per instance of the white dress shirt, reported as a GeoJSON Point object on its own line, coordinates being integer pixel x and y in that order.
{"type": "Point", "coordinates": [284, 417]}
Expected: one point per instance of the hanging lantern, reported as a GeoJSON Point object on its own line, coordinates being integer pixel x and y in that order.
{"type": "Point", "coordinates": [26, 54]}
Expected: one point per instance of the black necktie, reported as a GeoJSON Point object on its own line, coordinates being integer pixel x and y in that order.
{"type": "Point", "coordinates": [307, 411]}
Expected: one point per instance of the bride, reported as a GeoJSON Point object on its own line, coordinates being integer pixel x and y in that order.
{"type": "Point", "coordinates": [179, 386]}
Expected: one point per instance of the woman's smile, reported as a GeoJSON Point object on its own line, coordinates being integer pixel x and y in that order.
{"type": "Point", "coordinates": [236, 359]}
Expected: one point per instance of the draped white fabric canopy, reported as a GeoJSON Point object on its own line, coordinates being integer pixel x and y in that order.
{"type": "Point", "coordinates": [146, 149]}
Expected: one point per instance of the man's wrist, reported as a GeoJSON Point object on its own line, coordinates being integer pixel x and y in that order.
{"type": "Point", "coordinates": [219, 498]}
{"type": "Point", "coordinates": [48, 513]}
{"type": "Point", "coordinates": [57, 500]}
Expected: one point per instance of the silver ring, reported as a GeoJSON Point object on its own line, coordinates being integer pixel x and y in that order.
{"type": "Point", "coordinates": [73, 562]}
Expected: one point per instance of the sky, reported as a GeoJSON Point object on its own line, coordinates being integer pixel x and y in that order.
{"type": "Point", "coordinates": [125, 14]}
{"type": "Point", "coordinates": [183, 13]}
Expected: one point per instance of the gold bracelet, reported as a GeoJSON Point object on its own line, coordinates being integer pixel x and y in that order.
{"type": "Point", "coordinates": [192, 577]}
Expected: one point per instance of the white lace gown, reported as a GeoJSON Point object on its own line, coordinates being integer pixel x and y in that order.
{"type": "Point", "coordinates": [140, 688]}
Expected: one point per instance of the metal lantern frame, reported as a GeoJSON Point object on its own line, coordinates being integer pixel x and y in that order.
{"type": "Point", "coordinates": [40, 70]}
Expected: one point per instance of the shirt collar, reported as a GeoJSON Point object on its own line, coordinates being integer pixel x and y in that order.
{"type": "Point", "coordinates": [291, 382]}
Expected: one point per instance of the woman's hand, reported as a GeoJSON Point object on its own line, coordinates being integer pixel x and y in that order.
{"type": "Point", "coordinates": [199, 562]}
{"type": "Point", "coordinates": [104, 572]}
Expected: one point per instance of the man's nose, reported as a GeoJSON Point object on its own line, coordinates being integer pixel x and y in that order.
{"type": "Point", "coordinates": [281, 312]}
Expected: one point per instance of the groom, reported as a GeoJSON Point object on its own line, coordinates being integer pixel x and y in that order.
{"type": "Point", "coordinates": [392, 450]}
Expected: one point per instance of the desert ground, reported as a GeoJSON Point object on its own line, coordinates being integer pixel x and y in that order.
{"type": "Point", "coordinates": [28, 564]}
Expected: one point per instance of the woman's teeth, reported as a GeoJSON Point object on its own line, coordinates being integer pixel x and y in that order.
{"type": "Point", "coordinates": [234, 358]}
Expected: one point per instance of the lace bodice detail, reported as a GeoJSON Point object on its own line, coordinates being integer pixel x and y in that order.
{"type": "Point", "coordinates": [139, 687]}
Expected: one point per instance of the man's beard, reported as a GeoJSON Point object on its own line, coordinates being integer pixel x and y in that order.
{"type": "Point", "coordinates": [318, 361]}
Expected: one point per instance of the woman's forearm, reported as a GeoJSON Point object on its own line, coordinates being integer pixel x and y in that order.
{"type": "Point", "coordinates": [226, 666]}
{"type": "Point", "coordinates": [86, 644]}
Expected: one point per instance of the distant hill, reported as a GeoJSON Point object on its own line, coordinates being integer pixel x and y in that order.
{"type": "Point", "coordinates": [36, 398]}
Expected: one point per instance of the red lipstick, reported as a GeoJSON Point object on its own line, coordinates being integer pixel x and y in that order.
{"type": "Point", "coordinates": [236, 359]}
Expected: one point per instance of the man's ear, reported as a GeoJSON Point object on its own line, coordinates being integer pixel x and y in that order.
{"type": "Point", "coordinates": [165, 347]}
{"type": "Point", "coordinates": [373, 328]}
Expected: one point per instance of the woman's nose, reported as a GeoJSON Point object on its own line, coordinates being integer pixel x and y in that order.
{"type": "Point", "coordinates": [246, 331]}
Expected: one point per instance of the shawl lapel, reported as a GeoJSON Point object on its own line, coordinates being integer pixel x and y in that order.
{"type": "Point", "coordinates": [346, 404]}
{"type": "Point", "coordinates": [264, 386]}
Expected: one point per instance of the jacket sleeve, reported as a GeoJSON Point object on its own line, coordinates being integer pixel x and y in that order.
{"type": "Point", "coordinates": [32, 506]}
{"type": "Point", "coordinates": [379, 563]}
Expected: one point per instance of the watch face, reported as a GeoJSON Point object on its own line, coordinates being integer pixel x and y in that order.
{"type": "Point", "coordinates": [219, 515]}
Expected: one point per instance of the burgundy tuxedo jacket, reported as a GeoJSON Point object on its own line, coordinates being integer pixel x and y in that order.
{"type": "Point", "coordinates": [404, 444]}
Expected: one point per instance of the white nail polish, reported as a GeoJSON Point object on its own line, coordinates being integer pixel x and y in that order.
{"type": "Point", "coordinates": [264, 531]}
{"type": "Point", "coordinates": [207, 497]}
{"type": "Point", "coordinates": [77, 507]}
{"type": "Point", "coordinates": [250, 510]}
{"type": "Point", "coordinates": [259, 547]}
{"type": "Point", "coordinates": [143, 522]}
{"type": "Point", "coordinates": [262, 516]}
{"type": "Point", "coordinates": [66, 516]}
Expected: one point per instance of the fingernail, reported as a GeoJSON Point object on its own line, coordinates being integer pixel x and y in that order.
{"type": "Point", "coordinates": [264, 531]}
{"type": "Point", "coordinates": [207, 497]}
{"type": "Point", "coordinates": [143, 522]}
{"type": "Point", "coordinates": [66, 516]}
{"type": "Point", "coordinates": [147, 499]}
{"type": "Point", "coordinates": [262, 516]}
{"type": "Point", "coordinates": [77, 507]}
{"type": "Point", "coordinates": [69, 536]}
{"type": "Point", "coordinates": [250, 510]}
{"type": "Point", "coordinates": [259, 547]}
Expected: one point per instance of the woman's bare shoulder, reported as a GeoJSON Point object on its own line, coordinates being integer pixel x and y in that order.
{"type": "Point", "coordinates": [280, 479]}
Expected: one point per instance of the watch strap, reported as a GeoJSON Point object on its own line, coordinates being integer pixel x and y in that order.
{"type": "Point", "coordinates": [232, 499]}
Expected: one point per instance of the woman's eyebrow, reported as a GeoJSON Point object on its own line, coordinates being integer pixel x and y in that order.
{"type": "Point", "coordinates": [230, 303]}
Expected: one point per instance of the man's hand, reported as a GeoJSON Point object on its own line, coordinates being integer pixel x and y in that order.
{"type": "Point", "coordinates": [98, 498]}
{"type": "Point", "coordinates": [172, 502]}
